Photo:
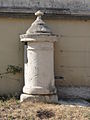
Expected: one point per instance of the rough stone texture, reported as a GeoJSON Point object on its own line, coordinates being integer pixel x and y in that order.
{"type": "Point", "coordinates": [49, 6]}
{"type": "Point", "coordinates": [40, 66]}
{"type": "Point", "coordinates": [40, 69]}
{"type": "Point", "coordinates": [74, 92]}
{"type": "Point", "coordinates": [38, 26]}
{"type": "Point", "coordinates": [43, 98]}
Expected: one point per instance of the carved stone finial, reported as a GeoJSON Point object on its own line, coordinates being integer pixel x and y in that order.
{"type": "Point", "coordinates": [39, 13]}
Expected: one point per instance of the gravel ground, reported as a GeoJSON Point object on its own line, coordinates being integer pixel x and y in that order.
{"type": "Point", "coordinates": [14, 110]}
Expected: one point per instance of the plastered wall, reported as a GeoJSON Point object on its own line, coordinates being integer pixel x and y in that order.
{"type": "Point", "coordinates": [72, 52]}
{"type": "Point", "coordinates": [11, 53]}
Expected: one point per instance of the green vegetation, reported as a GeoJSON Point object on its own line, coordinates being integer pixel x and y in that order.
{"type": "Point", "coordinates": [11, 69]}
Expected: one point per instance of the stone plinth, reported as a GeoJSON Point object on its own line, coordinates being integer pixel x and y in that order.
{"type": "Point", "coordinates": [39, 79]}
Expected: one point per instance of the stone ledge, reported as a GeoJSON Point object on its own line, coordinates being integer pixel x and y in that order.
{"type": "Point", "coordinates": [74, 92]}
{"type": "Point", "coordinates": [52, 8]}
{"type": "Point", "coordinates": [49, 14]}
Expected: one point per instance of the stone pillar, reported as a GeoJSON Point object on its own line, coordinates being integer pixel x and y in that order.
{"type": "Point", "coordinates": [39, 81]}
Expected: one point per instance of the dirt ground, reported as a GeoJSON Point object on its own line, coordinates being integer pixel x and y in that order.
{"type": "Point", "coordinates": [14, 110]}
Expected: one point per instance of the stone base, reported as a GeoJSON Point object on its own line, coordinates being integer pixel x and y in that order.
{"type": "Point", "coordinates": [41, 98]}
{"type": "Point", "coordinates": [74, 92]}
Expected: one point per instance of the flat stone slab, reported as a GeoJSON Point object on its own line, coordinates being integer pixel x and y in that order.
{"type": "Point", "coordinates": [74, 102]}
{"type": "Point", "coordinates": [74, 92]}
{"type": "Point", "coordinates": [53, 99]}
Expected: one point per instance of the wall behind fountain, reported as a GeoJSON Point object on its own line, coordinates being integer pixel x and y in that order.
{"type": "Point", "coordinates": [72, 52]}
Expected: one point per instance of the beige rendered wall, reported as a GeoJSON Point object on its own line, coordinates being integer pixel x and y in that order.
{"type": "Point", "coordinates": [11, 53]}
{"type": "Point", "coordinates": [72, 52]}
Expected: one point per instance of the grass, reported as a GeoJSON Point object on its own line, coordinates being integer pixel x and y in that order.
{"type": "Point", "coordinates": [12, 109]}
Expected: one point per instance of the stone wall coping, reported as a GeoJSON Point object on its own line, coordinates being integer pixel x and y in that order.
{"type": "Point", "coordinates": [54, 8]}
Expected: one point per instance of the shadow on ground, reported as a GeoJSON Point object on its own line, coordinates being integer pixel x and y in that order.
{"type": "Point", "coordinates": [74, 101]}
